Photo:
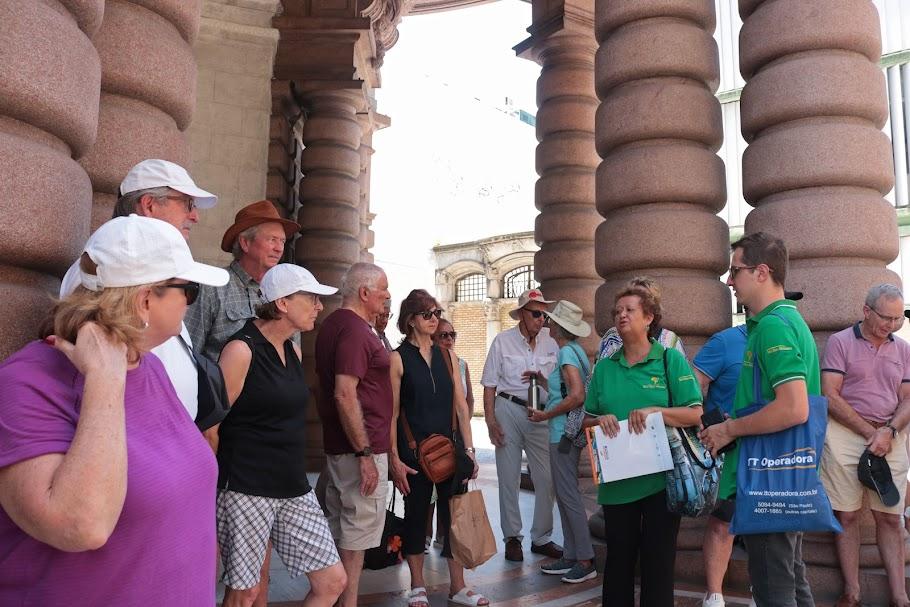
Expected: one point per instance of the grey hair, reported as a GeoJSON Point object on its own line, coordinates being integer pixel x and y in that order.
{"type": "Point", "coordinates": [247, 234]}
{"type": "Point", "coordinates": [562, 331]}
{"type": "Point", "coordinates": [359, 275]}
{"type": "Point", "coordinates": [129, 202]}
{"type": "Point", "coordinates": [886, 290]}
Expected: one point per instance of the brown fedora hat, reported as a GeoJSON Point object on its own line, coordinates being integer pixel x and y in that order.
{"type": "Point", "coordinates": [252, 215]}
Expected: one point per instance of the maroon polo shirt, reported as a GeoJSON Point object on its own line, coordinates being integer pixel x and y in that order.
{"type": "Point", "coordinates": [872, 376]}
{"type": "Point", "coordinates": [347, 345]}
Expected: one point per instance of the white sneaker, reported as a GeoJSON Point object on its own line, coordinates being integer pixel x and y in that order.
{"type": "Point", "coordinates": [713, 600]}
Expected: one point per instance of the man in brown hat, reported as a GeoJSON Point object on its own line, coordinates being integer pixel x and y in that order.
{"type": "Point", "coordinates": [256, 239]}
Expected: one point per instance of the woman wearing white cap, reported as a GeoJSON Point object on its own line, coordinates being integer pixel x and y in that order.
{"type": "Point", "coordinates": [107, 489]}
{"type": "Point", "coordinates": [566, 390]}
{"type": "Point", "coordinates": [263, 488]}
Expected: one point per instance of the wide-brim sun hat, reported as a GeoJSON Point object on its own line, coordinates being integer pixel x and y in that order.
{"type": "Point", "coordinates": [526, 298]}
{"type": "Point", "coordinates": [131, 251]}
{"type": "Point", "coordinates": [254, 214]}
{"type": "Point", "coordinates": [157, 173]}
{"type": "Point", "coordinates": [569, 316]}
{"type": "Point", "coordinates": [287, 278]}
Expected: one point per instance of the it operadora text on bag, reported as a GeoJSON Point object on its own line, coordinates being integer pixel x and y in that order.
{"type": "Point", "coordinates": [777, 484]}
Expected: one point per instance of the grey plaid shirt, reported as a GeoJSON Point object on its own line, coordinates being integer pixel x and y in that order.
{"type": "Point", "coordinates": [219, 312]}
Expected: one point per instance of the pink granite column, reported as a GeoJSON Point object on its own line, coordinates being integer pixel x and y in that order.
{"type": "Point", "coordinates": [660, 183]}
{"type": "Point", "coordinates": [818, 164]}
{"type": "Point", "coordinates": [330, 208]}
{"type": "Point", "coordinates": [567, 162]}
{"type": "Point", "coordinates": [148, 90]}
{"type": "Point", "coordinates": [330, 190]}
{"type": "Point", "coordinates": [50, 79]}
{"type": "Point", "coordinates": [816, 170]}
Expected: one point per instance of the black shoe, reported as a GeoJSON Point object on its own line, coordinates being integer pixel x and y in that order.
{"type": "Point", "coordinates": [549, 549]}
{"type": "Point", "coordinates": [513, 550]}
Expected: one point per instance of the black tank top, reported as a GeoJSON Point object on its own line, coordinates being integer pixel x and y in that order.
{"type": "Point", "coordinates": [426, 396]}
{"type": "Point", "coordinates": [261, 441]}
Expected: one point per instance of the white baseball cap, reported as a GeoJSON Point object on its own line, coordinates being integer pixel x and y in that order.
{"type": "Point", "coordinates": [288, 278]}
{"type": "Point", "coordinates": [157, 173]}
{"type": "Point", "coordinates": [134, 250]}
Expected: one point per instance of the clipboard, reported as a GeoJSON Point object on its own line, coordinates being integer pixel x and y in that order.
{"type": "Point", "coordinates": [629, 455]}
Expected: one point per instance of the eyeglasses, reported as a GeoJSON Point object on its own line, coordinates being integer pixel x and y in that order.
{"type": "Point", "coordinates": [534, 313]}
{"type": "Point", "coordinates": [385, 316]}
{"type": "Point", "coordinates": [428, 314]}
{"type": "Point", "coordinates": [894, 320]}
{"type": "Point", "coordinates": [188, 203]}
{"type": "Point", "coordinates": [734, 270]}
{"type": "Point", "coordinates": [190, 290]}
{"type": "Point", "coordinates": [447, 335]}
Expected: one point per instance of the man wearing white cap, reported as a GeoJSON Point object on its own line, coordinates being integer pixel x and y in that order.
{"type": "Point", "coordinates": [162, 190]}
{"type": "Point", "coordinates": [516, 354]}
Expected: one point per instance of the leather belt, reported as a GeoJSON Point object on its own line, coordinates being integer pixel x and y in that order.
{"type": "Point", "coordinates": [514, 399]}
{"type": "Point", "coordinates": [876, 424]}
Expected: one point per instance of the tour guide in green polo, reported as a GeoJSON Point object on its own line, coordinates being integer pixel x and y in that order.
{"type": "Point", "coordinates": [630, 385]}
{"type": "Point", "coordinates": [781, 344]}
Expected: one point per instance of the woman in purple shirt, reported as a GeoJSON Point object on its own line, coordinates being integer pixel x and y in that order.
{"type": "Point", "coordinates": [106, 487]}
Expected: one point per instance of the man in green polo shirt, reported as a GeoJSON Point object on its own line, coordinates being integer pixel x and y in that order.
{"type": "Point", "coordinates": [782, 345]}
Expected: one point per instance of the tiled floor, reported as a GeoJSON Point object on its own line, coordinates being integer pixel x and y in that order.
{"type": "Point", "coordinates": [506, 584]}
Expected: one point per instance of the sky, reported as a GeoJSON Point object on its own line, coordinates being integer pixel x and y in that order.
{"type": "Point", "coordinates": [453, 166]}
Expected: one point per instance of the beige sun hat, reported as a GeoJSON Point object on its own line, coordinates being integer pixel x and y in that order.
{"type": "Point", "coordinates": [568, 316]}
{"type": "Point", "coordinates": [526, 298]}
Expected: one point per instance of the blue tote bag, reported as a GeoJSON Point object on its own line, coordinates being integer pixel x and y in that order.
{"type": "Point", "coordinates": [777, 483]}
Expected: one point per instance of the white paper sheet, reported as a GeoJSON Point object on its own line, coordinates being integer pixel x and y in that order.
{"type": "Point", "coordinates": [628, 454]}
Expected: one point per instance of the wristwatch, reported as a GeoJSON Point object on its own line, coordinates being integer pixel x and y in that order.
{"type": "Point", "coordinates": [366, 451]}
{"type": "Point", "coordinates": [893, 430]}
{"type": "Point", "coordinates": [470, 450]}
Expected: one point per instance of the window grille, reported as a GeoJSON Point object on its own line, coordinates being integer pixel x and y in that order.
{"type": "Point", "coordinates": [519, 280]}
{"type": "Point", "coordinates": [471, 288]}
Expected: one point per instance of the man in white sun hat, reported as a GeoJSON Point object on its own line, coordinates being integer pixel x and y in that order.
{"type": "Point", "coordinates": [516, 354]}
{"type": "Point", "coordinates": [162, 190]}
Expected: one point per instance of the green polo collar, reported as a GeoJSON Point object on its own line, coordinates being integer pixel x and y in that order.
{"type": "Point", "coordinates": [774, 305]}
{"type": "Point", "coordinates": [656, 352]}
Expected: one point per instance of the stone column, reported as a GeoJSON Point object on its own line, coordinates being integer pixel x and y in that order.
{"type": "Point", "coordinates": [661, 183]}
{"type": "Point", "coordinates": [367, 237]}
{"type": "Point", "coordinates": [566, 161]}
{"type": "Point", "coordinates": [818, 165]}
{"type": "Point", "coordinates": [330, 191]}
{"type": "Point", "coordinates": [816, 170]}
{"type": "Point", "coordinates": [50, 79]}
{"type": "Point", "coordinates": [330, 207]}
{"type": "Point", "coordinates": [148, 91]}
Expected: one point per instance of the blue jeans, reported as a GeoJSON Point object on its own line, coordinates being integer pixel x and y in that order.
{"type": "Point", "coordinates": [777, 571]}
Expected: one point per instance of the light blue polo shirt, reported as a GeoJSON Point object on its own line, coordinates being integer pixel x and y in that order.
{"type": "Point", "coordinates": [721, 359]}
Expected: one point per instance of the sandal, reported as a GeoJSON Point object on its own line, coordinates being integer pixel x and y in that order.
{"type": "Point", "coordinates": [417, 597]}
{"type": "Point", "coordinates": [469, 598]}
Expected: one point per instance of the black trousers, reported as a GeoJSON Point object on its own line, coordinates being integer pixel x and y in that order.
{"type": "Point", "coordinates": [416, 508]}
{"type": "Point", "coordinates": [641, 530]}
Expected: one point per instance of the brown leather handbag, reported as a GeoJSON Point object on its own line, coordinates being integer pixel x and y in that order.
{"type": "Point", "coordinates": [435, 453]}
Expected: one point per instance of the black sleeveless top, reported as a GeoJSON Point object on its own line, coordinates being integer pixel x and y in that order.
{"type": "Point", "coordinates": [426, 397]}
{"type": "Point", "coordinates": [261, 441]}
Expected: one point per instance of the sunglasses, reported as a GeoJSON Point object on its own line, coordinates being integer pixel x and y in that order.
{"type": "Point", "coordinates": [190, 289]}
{"type": "Point", "coordinates": [428, 314]}
{"type": "Point", "coordinates": [447, 335]}
{"type": "Point", "coordinates": [535, 313]}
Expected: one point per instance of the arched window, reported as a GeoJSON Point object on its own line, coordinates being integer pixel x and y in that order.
{"type": "Point", "coordinates": [519, 280]}
{"type": "Point", "coordinates": [472, 287]}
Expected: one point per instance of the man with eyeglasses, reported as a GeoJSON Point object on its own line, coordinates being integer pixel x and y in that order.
{"type": "Point", "coordinates": [780, 342]}
{"type": "Point", "coordinates": [381, 322]}
{"type": "Point", "coordinates": [866, 377]}
{"type": "Point", "coordinates": [163, 190]}
{"type": "Point", "coordinates": [516, 354]}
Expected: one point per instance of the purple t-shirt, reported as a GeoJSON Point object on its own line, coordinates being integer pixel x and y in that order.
{"type": "Point", "coordinates": [347, 345]}
{"type": "Point", "coordinates": [162, 551]}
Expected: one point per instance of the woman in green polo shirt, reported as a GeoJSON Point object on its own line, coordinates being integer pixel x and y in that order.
{"type": "Point", "coordinates": [630, 385]}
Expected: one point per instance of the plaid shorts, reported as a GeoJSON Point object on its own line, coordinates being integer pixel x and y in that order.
{"type": "Point", "coordinates": [297, 527]}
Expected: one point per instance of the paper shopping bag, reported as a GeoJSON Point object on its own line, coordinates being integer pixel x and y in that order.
{"type": "Point", "coordinates": [470, 537]}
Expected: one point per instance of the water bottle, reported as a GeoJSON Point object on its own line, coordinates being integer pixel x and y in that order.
{"type": "Point", "coordinates": [534, 395]}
